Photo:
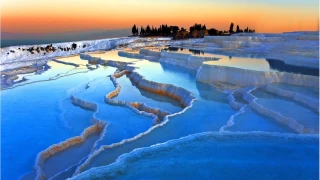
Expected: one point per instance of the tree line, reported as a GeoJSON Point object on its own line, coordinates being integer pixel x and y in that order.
{"type": "Point", "coordinates": [163, 29]}
{"type": "Point", "coordinates": [238, 30]}
{"type": "Point", "coordinates": [196, 30]}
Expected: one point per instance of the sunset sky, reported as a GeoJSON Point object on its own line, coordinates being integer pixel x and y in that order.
{"type": "Point", "coordinates": [39, 16]}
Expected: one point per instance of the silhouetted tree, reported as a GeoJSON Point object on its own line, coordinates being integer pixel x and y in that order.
{"type": "Point", "coordinates": [197, 27]}
{"type": "Point", "coordinates": [238, 29]}
{"type": "Point", "coordinates": [134, 29]}
{"type": "Point", "coordinates": [163, 31]}
{"type": "Point", "coordinates": [174, 29]}
{"type": "Point", "coordinates": [246, 30]}
{"type": "Point", "coordinates": [191, 28]}
{"type": "Point", "coordinates": [196, 30]}
{"type": "Point", "coordinates": [251, 31]}
{"type": "Point", "coordinates": [204, 27]}
{"type": "Point", "coordinates": [231, 28]}
{"type": "Point", "coordinates": [213, 31]}
{"type": "Point", "coordinates": [167, 30]}
{"type": "Point", "coordinates": [148, 30]}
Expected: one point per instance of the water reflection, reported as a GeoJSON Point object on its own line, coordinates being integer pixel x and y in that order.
{"type": "Point", "coordinates": [281, 66]}
{"type": "Point", "coordinates": [112, 55]}
{"type": "Point", "coordinates": [73, 59]}
{"type": "Point", "coordinates": [258, 64]}
{"type": "Point", "coordinates": [187, 51]}
{"type": "Point", "coordinates": [210, 93]}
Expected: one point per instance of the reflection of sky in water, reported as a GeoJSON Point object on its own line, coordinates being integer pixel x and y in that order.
{"type": "Point", "coordinates": [259, 64]}
{"type": "Point", "coordinates": [112, 55]}
{"type": "Point", "coordinates": [238, 62]}
{"type": "Point", "coordinates": [73, 59]}
{"type": "Point", "coordinates": [55, 65]}
{"type": "Point", "coordinates": [189, 51]}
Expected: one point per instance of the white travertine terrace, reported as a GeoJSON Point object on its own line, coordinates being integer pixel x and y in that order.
{"type": "Point", "coordinates": [141, 108]}
{"type": "Point", "coordinates": [185, 98]}
{"type": "Point", "coordinates": [11, 66]}
{"type": "Point", "coordinates": [180, 94]}
{"type": "Point", "coordinates": [8, 77]}
{"type": "Point", "coordinates": [287, 121]}
{"type": "Point", "coordinates": [84, 104]}
{"type": "Point", "coordinates": [66, 63]}
{"type": "Point", "coordinates": [53, 149]}
{"type": "Point", "coordinates": [98, 60]}
{"type": "Point", "coordinates": [291, 48]}
{"type": "Point", "coordinates": [293, 52]}
{"type": "Point", "coordinates": [127, 159]}
{"type": "Point", "coordinates": [109, 97]}
{"type": "Point", "coordinates": [230, 122]}
{"type": "Point", "coordinates": [185, 60]}
{"type": "Point", "coordinates": [102, 148]}
{"type": "Point", "coordinates": [19, 57]}
{"type": "Point", "coordinates": [160, 113]}
{"type": "Point", "coordinates": [233, 103]}
{"type": "Point", "coordinates": [130, 54]}
{"type": "Point", "coordinates": [297, 48]}
{"type": "Point", "coordinates": [244, 77]}
{"type": "Point", "coordinates": [220, 39]}
{"type": "Point", "coordinates": [312, 103]}
{"type": "Point", "coordinates": [149, 52]}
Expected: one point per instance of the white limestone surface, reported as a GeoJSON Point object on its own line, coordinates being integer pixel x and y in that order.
{"type": "Point", "coordinates": [244, 77]}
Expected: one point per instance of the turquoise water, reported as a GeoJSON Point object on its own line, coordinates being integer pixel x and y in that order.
{"type": "Point", "coordinates": [306, 91]}
{"type": "Point", "coordinates": [122, 122]}
{"type": "Point", "coordinates": [251, 121]}
{"type": "Point", "coordinates": [78, 152]}
{"type": "Point", "coordinates": [214, 156]}
{"type": "Point", "coordinates": [38, 113]}
{"type": "Point", "coordinates": [288, 108]}
{"type": "Point", "coordinates": [33, 118]}
{"type": "Point", "coordinates": [209, 113]}
{"type": "Point", "coordinates": [56, 71]}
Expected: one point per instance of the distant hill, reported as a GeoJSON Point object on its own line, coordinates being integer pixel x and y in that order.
{"type": "Point", "coordinates": [13, 39]}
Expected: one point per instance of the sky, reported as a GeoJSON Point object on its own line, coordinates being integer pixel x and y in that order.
{"type": "Point", "coordinates": [58, 16]}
